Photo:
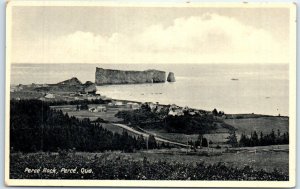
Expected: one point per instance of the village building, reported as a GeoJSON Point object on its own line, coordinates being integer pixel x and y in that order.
{"type": "Point", "coordinates": [93, 109]}
{"type": "Point", "coordinates": [133, 105]}
{"type": "Point", "coordinates": [192, 113]}
{"type": "Point", "coordinates": [117, 103]}
{"type": "Point", "coordinates": [175, 112]}
{"type": "Point", "coordinates": [101, 108]}
{"type": "Point", "coordinates": [97, 108]}
{"type": "Point", "coordinates": [49, 96]}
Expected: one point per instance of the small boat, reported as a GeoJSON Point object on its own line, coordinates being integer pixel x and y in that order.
{"type": "Point", "coordinates": [234, 79]}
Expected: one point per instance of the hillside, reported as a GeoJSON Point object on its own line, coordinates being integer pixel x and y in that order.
{"type": "Point", "coordinates": [259, 124]}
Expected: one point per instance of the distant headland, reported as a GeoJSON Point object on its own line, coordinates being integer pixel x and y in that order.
{"type": "Point", "coordinates": [109, 76]}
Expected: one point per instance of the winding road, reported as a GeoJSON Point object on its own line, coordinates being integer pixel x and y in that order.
{"type": "Point", "coordinates": [147, 135]}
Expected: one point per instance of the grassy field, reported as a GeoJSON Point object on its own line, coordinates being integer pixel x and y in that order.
{"type": "Point", "coordinates": [183, 138]}
{"type": "Point", "coordinates": [243, 125]}
{"type": "Point", "coordinates": [153, 165]}
{"type": "Point", "coordinates": [264, 158]}
{"type": "Point", "coordinates": [109, 115]}
{"type": "Point", "coordinates": [261, 124]}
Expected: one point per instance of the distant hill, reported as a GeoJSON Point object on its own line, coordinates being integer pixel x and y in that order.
{"type": "Point", "coordinates": [69, 85]}
{"type": "Point", "coordinates": [72, 81]}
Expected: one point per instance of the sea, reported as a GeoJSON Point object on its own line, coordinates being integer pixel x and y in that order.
{"type": "Point", "coordinates": [232, 88]}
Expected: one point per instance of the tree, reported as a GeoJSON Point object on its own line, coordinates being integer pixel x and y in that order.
{"type": "Point", "coordinates": [232, 139]}
{"type": "Point", "coordinates": [262, 139]}
{"type": "Point", "coordinates": [152, 142]}
{"type": "Point", "coordinates": [141, 144]}
{"type": "Point", "coordinates": [204, 142]}
{"type": "Point", "coordinates": [272, 137]}
{"type": "Point", "coordinates": [84, 107]}
{"type": "Point", "coordinates": [244, 141]}
{"type": "Point", "coordinates": [215, 112]}
{"type": "Point", "coordinates": [254, 139]}
{"type": "Point", "coordinates": [199, 140]}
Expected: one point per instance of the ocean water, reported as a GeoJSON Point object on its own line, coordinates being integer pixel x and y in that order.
{"type": "Point", "coordinates": [260, 88]}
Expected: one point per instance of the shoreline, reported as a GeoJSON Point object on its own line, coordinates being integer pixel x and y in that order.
{"type": "Point", "coordinates": [232, 115]}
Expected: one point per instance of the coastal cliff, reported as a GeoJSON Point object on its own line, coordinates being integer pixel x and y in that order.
{"type": "Point", "coordinates": [108, 76]}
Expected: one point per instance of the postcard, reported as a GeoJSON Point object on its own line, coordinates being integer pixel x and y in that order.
{"type": "Point", "coordinates": [150, 94]}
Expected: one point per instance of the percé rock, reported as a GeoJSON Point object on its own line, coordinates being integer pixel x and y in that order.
{"type": "Point", "coordinates": [108, 76]}
{"type": "Point", "coordinates": [171, 77]}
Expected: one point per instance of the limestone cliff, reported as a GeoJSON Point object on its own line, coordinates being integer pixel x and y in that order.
{"type": "Point", "coordinates": [108, 76]}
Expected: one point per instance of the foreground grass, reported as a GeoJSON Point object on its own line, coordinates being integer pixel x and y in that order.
{"type": "Point", "coordinates": [122, 166]}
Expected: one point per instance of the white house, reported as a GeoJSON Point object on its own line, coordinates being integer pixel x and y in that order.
{"type": "Point", "coordinates": [133, 105]}
{"type": "Point", "coordinates": [192, 113]}
{"type": "Point", "coordinates": [101, 108]}
{"type": "Point", "coordinates": [49, 95]}
{"type": "Point", "coordinates": [117, 103]}
{"type": "Point", "coordinates": [176, 112]}
{"type": "Point", "coordinates": [93, 109]}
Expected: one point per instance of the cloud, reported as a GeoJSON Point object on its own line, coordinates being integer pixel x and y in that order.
{"type": "Point", "coordinates": [203, 39]}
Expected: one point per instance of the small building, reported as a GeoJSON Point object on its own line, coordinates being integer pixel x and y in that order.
{"type": "Point", "coordinates": [133, 105]}
{"type": "Point", "coordinates": [176, 112]}
{"type": "Point", "coordinates": [151, 105]}
{"type": "Point", "coordinates": [101, 108]}
{"type": "Point", "coordinates": [117, 103]}
{"type": "Point", "coordinates": [173, 106]}
{"type": "Point", "coordinates": [91, 98]}
{"type": "Point", "coordinates": [192, 113]}
{"type": "Point", "coordinates": [49, 96]}
{"type": "Point", "coordinates": [93, 109]}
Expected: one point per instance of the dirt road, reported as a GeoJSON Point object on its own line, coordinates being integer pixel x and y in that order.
{"type": "Point", "coordinates": [147, 135]}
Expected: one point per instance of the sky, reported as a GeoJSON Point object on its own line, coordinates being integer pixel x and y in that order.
{"type": "Point", "coordinates": [149, 35]}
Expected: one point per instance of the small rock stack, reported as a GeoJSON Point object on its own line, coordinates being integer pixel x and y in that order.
{"type": "Point", "coordinates": [171, 77]}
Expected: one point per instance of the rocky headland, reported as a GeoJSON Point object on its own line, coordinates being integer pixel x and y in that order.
{"type": "Point", "coordinates": [109, 76]}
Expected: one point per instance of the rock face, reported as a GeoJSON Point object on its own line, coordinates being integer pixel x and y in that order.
{"type": "Point", "coordinates": [171, 77]}
{"type": "Point", "coordinates": [108, 76]}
